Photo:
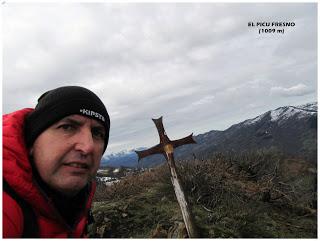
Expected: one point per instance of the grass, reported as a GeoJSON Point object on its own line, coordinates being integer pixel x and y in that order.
{"type": "Point", "coordinates": [229, 199]}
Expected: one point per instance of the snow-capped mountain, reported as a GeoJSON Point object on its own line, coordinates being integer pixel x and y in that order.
{"type": "Point", "coordinates": [125, 158]}
{"type": "Point", "coordinates": [292, 130]}
{"type": "Point", "coordinates": [282, 114]}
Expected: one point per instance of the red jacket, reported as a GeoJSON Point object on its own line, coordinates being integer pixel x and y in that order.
{"type": "Point", "coordinates": [17, 171]}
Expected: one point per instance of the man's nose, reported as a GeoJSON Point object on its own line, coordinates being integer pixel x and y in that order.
{"type": "Point", "coordinates": [84, 142]}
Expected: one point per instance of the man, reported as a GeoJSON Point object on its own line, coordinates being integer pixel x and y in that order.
{"type": "Point", "coordinates": [50, 157]}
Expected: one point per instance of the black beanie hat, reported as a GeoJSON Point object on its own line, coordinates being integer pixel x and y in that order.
{"type": "Point", "coordinates": [58, 103]}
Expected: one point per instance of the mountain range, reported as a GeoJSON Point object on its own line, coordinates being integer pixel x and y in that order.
{"type": "Point", "coordinates": [290, 130]}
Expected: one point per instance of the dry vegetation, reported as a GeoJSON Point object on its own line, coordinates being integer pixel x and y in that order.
{"type": "Point", "coordinates": [262, 195]}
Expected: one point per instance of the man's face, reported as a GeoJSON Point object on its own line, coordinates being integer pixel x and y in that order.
{"type": "Point", "coordinates": [67, 155]}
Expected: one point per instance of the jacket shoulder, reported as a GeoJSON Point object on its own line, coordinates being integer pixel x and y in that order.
{"type": "Point", "coordinates": [12, 217]}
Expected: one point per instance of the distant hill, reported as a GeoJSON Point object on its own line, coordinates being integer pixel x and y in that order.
{"type": "Point", "coordinates": [291, 130]}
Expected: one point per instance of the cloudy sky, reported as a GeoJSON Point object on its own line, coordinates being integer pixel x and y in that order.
{"type": "Point", "coordinates": [200, 66]}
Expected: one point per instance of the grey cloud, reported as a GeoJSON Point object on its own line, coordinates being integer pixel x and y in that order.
{"type": "Point", "coordinates": [150, 59]}
{"type": "Point", "coordinates": [297, 90]}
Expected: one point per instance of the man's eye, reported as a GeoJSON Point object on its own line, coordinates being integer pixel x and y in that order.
{"type": "Point", "coordinates": [99, 134]}
{"type": "Point", "coordinates": [66, 127]}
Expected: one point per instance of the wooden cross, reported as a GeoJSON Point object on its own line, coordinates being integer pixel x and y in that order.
{"type": "Point", "coordinates": [166, 147]}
